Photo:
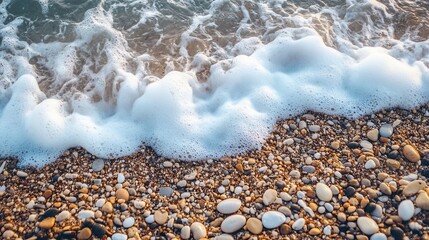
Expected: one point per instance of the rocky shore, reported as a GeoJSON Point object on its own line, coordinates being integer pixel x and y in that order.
{"type": "Point", "coordinates": [317, 176]}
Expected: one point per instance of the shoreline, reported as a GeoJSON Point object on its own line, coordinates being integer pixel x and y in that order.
{"type": "Point", "coordinates": [366, 178]}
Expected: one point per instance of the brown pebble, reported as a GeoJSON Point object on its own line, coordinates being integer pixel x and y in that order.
{"type": "Point", "coordinates": [122, 194]}
{"type": "Point", "coordinates": [285, 229]}
{"type": "Point", "coordinates": [47, 223]}
{"type": "Point", "coordinates": [411, 153]}
{"type": "Point", "coordinates": [47, 193]}
{"type": "Point", "coordinates": [84, 234]}
{"type": "Point", "coordinates": [314, 231]}
{"type": "Point", "coordinates": [254, 225]}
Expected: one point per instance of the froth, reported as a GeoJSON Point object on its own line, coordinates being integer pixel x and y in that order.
{"type": "Point", "coordinates": [233, 111]}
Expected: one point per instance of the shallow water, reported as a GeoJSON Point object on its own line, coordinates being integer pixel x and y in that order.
{"type": "Point", "coordinates": [197, 79]}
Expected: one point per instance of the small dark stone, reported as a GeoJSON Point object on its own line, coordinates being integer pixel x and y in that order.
{"type": "Point", "coordinates": [55, 178]}
{"type": "Point", "coordinates": [344, 228]}
{"type": "Point", "coordinates": [247, 172]}
{"type": "Point", "coordinates": [397, 233]}
{"type": "Point", "coordinates": [425, 173]}
{"type": "Point", "coordinates": [353, 145]}
{"type": "Point", "coordinates": [370, 208]}
{"type": "Point", "coordinates": [259, 206]}
{"type": "Point", "coordinates": [280, 184]}
{"type": "Point", "coordinates": [393, 154]}
{"type": "Point", "coordinates": [295, 207]}
{"type": "Point", "coordinates": [285, 229]}
{"type": "Point", "coordinates": [68, 235]}
{"type": "Point", "coordinates": [425, 161]}
{"type": "Point", "coordinates": [98, 230]}
{"type": "Point", "coordinates": [350, 191]}
{"type": "Point", "coordinates": [51, 212]}
{"type": "Point", "coordinates": [166, 191]}
{"type": "Point", "coordinates": [89, 223]}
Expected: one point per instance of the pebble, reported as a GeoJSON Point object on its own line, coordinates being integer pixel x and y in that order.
{"type": "Point", "coordinates": [21, 174]}
{"type": "Point", "coordinates": [314, 128]}
{"type": "Point", "coordinates": [233, 223]}
{"type": "Point", "coordinates": [386, 130]}
{"type": "Point", "coordinates": [107, 207]}
{"type": "Point", "coordinates": [406, 210]}
{"type": "Point", "coordinates": [83, 214]}
{"type": "Point", "coordinates": [128, 222]}
{"type": "Point", "coordinates": [198, 230]}
{"type": "Point", "coordinates": [327, 230]}
{"type": "Point", "coordinates": [47, 223]}
{"type": "Point", "coordinates": [119, 236]}
{"type": "Point", "coordinates": [397, 233]}
{"type": "Point", "coordinates": [413, 187]}
{"type": "Point", "coordinates": [411, 153]}
{"type": "Point", "coordinates": [254, 226]}
{"type": "Point", "coordinates": [166, 191]}
{"type": "Point", "coordinates": [161, 217]}
{"type": "Point", "coordinates": [366, 144]}
{"type": "Point", "coordinates": [84, 234]}
{"type": "Point", "coordinates": [138, 204]}
{"type": "Point", "coordinates": [185, 232]}
{"type": "Point", "coordinates": [370, 164]}
{"type": "Point", "coordinates": [121, 178]}
{"type": "Point", "coordinates": [379, 236]}
{"type": "Point", "coordinates": [167, 164]}
{"type": "Point", "coordinates": [64, 215]}
{"type": "Point", "coordinates": [97, 165]}
{"type": "Point", "coordinates": [372, 135]}
{"type": "Point", "coordinates": [273, 219]}
{"type": "Point", "coordinates": [269, 196]}
{"type": "Point", "coordinates": [298, 224]}
{"type": "Point", "coordinates": [122, 194]}
{"type": "Point", "coordinates": [422, 200]}
{"type": "Point", "coordinates": [323, 192]}
{"type": "Point", "coordinates": [8, 234]}
{"type": "Point", "coordinates": [367, 225]}
{"type": "Point", "coordinates": [315, 232]}
{"type": "Point", "coordinates": [224, 237]}
{"type": "Point", "coordinates": [229, 206]}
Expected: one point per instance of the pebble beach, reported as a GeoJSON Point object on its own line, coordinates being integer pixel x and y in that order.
{"type": "Point", "coordinates": [316, 177]}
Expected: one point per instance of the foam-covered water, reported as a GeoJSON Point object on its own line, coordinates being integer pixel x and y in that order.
{"type": "Point", "coordinates": [197, 79]}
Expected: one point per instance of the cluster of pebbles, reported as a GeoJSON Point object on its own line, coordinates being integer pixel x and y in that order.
{"type": "Point", "coordinates": [316, 176]}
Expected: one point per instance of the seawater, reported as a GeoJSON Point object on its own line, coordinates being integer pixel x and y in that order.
{"type": "Point", "coordinates": [197, 79]}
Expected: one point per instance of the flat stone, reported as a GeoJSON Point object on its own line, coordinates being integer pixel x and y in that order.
{"type": "Point", "coordinates": [254, 225]}
{"type": "Point", "coordinates": [166, 191]}
{"type": "Point", "coordinates": [128, 222]}
{"type": "Point", "coordinates": [167, 164]}
{"type": "Point", "coordinates": [121, 178]}
{"type": "Point", "coordinates": [372, 135]}
{"type": "Point", "coordinates": [198, 230]}
{"type": "Point", "coordinates": [298, 224]}
{"type": "Point", "coordinates": [367, 225]}
{"type": "Point", "coordinates": [314, 128]}
{"type": "Point", "coordinates": [83, 214]}
{"type": "Point", "coordinates": [47, 223]}
{"type": "Point", "coordinates": [323, 192]}
{"type": "Point", "coordinates": [393, 164]}
{"type": "Point", "coordinates": [224, 237]}
{"type": "Point", "coordinates": [21, 174]}
{"type": "Point", "coordinates": [315, 232]}
{"type": "Point", "coordinates": [122, 194]}
{"type": "Point", "coordinates": [51, 212]}
{"type": "Point", "coordinates": [365, 144]}
{"type": "Point", "coordinates": [99, 230]}
{"type": "Point", "coordinates": [64, 215]}
{"type": "Point", "coordinates": [8, 234]}
{"type": "Point", "coordinates": [406, 210]}
{"type": "Point", "coordinates": [422, 200]}
{"type": "Point", "coordinates": [84, 234]}
{"type": "Point", "coordinates": [119, 236]}
{"type": "Point", "coordinates": [370, 164]}
{"type": "Point", "coordinates": [233, 223]}
{"type": "Point", "coordinates": [107, 207]}
{"type": "Point", "coordinates": [161, 217]}
{"type": "Point", "coordinates": [229, 206]}
{"type": "Point", "coordinates": [386, 130]}
{"type": "Point", "coordinates": [185, 232]}
{"type": "Point", "coordinates": [97, 165]}
{"type": "Point", "coordinates": [269, 196]}
{"type": "Point", "coordinates": [273, 219]}
{"type": "Point", "coordinates": [138, 204]}
{"type": "Point", "coordinates": [411, 153]}
{"type": "Point", "coordinates": [413, 187]}
{"type": "Point", "coordinates": [308, 169]}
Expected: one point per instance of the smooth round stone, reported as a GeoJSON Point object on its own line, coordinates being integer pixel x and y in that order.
{"type": "Point", "coordinates": [198, 230]}
{"type": "Point", "coordinates": [121, 178]}
{"type": "Point", "coordinates": [185, 232]}
{"type": "Point", "coordinates": [84, 234]}
{"type": "Point", "coordinates": [298, 224]}
{"type": "Point", "coordinates": [119, 236]}
{"type": "Point", "coordinates": [97, 165]}
{"type": "Point", "coordinates": [422, 200]}
{"type": "Point", "coordinates": [107, 207]}
{"type": "Point", "coordinates": [372, 135]}
{"type": "Point", "coordinates": [269, 196]}
{"type": "Point", "coordinates": [138, 204]}
{"type": "Point", "coordinates": [99, 230]}
{"type": "Point", "coordinates": [314, 128]}
{"type": "Point", "coordinates": [406, 210]}
{"type": "Point", "coordinates": [254, 225]}
{"type": "Point", "coordinates": [47, 223]}
{"type": "Point", "coordinates": [161, 217]}
{"type": "Point", "coordinates": [8, 234]}
{"type": "Point", "coordinates": [122, 194]}
{"type": "Point", "coordinates": [370, 164]}
{"type": "Point", "coordinates": [273, 219]}
{"type": "Point", "coordinates": [323, 192]}
{"type": "Point", "coordinates": [365, 144]}
{"type": "Point", "coordinates": [386, 130]}
{"type": "Point", "coordinates": [367, 225]}
{"type": "Point", "coordinates": [411, 153]}
{"type": "Point", "coordinates": [229, 206]}
{"type": "Point", "coordinates": [21, 174]}
{"type": "Point", "coordinates": [414, 187]}
{"type": "Point", "coordinates": [224, 237]}
{"type": "Point", "coordinates": [64, 215]}
{"type": "Point", "coordinates": [166, 191]}
{"type": "Point", "coordinates": [128, 222]}
{"type": "Point", "coordinates": [100, 202]}
{"type": "Point", "coordinates": [379, 236]}
{"type": "Point", "coordinates": [85, 214]}
{"type": "Point", "coordinates": [233, 223]}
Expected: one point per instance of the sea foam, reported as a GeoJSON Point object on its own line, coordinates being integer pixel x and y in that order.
{"type": "Point", "coordinates": [233, 111]}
